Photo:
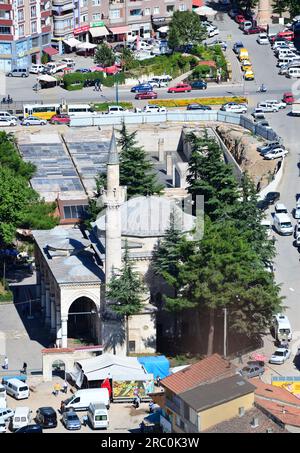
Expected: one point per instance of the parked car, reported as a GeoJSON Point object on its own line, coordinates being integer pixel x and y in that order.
{"type": "Point", "coordinates": [263, 123]}
{"type": "Point", "coordinates": [236, 108]}
{"type": "Point", "coordinates": [297, 229]}
{"type": "Point", "coordinates": [246, 65]}
{"type": "Point", "coordinates": [276, 153]}
{"type": "Point", "coordinates": [273, 148]}
{"type": "Point", "coordinates": [36, 68]}
{"type": "Point", "coordinates": [199, 85]}
{"type": "Point", "coordinates": [212, 31]}
{"type": "Point", "coordinates": [254, 30]}
{"type": "Point", "coordinates": [46, 417]}
{"type": "Point", "coordinates": [268, 146]}
{"type": "Point", "coordinates": [258, 114]}
{"type": "Point", "coordinates": [280, 208]}
{"type": "Point", "coordinates": [196, 106]}
{"type": "Point", "coordinates": [251, 371]}
{"type": "Point", "coordinates": [180, 88]}
{"type": "Point", "coordinates": [33, 121]}
{"type": "Point", "coordinates": [288, 98]}
{"type": "Point", "coordinates": [154, 109]}
{"type": "Point", "coordinates": [263, 39]}
{"type": "Point", "coordinates": [142, 87]}
{"type": "Point", "coordinates": [71, 420]}
{"type": "Point", "coordinates": [6, 413]}
{"type": "Point", "coordinates": [61, 118]}
{"type": "Point", "coordinates": [83, 70]}
{"type": "Point", "coordinates": [269, 199]}
{"type": "Point", "coordinates": [18, 72]}
{"type": "Point", "coordinates": [155, 83]}
{"type": "Point", "coordinates": [3, 427]}
{"type": "Point", "coordinates": [249, 75]}
{"type": "Point", "coordinates": [279, 104]}
{"type": "Point", "coordinates": [280, 356]}
{"type": "Point", "coordinates": [30, 429]}
{"type": "Point", "coordinates": [146, 95]}
{"type": "Point", "coordinates": [267, 108]}
{"type": "Point", "coordinates": [237, 46]}
{"type": "Point", "coordinates": [218, 42]}
{"type": "Point", "coordinates": [239, 18]}
{"type": "Point", "coordinates": [4, 122]}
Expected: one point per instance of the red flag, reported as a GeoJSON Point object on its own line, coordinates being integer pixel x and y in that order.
{"type": "Point", "coordinates": [106, 384]}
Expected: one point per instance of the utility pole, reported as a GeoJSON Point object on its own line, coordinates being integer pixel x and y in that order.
{"type": "Point", "coordinates": [117, 89]}
{"type": "Point", "coordinates": [225, 332]}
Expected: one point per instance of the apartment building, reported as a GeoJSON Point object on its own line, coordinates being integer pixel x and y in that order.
{"type": "Point", "coordinates": [25, 29]}
{"type": "Point", "coordinates": [92, 20]}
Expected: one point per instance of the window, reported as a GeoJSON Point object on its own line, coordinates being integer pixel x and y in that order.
{"type": "Point", "coordinates": [114, 14]}
{"type": "Point", "coordinates": [147, 11]}
{"type": "Point", "coordinates": [135, 12]}
{"type": "Point", "coordinates": [75, 212]}
{"type": "Point", "coordinates": [156, 10]}
{"type": "Point", "coordinates": [193, 417]}
{"type": "Point", "coordinates": [131, 346]}
{"type": "Point", "coordinates": [20, 15]}
{"type": "Point", "coordinates": [35, 42]}
{"type": "Point", "coordinates": [96, 2]}
{"type": "Point", "coordinates": [33, 27]}
{"type": "Point", "coordinates": [182, 7]}
{"type": "Point", "coordinates": [33, 11]}
{"type": "Point", "coordinates": [84, 18]}
{"type": "Point", "coordinates": [4, 30]}
{"type": "Point", "coordinates": [186, 411]}
{"type": "Point", "coordinates": [170, 8]}
{"type": "Point", "coordinates": [20, 2]}
{"type": "Point", "coordinates": [96, 16]}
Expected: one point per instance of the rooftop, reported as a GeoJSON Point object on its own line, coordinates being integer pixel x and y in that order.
{"type": "Point", "coordinates": [210, 395]}
{"type": "Point", "coordinates": [210, 369]}
{"type": "Point", "coordinates": [285, 414]}
{"type": "Point", "coordinates": [273, 393]}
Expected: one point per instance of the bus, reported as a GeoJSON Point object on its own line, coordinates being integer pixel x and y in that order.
{"type": "Point", "coordinates": [79, 110]}
{"type": "Point", "coordinates": [44, 111]}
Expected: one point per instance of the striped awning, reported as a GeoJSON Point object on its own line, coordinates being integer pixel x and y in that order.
{"type": "Point", "coordinates": [119, 30]}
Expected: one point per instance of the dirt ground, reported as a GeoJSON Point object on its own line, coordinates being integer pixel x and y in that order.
{"type": "Point", "coordinates": [123, 418]}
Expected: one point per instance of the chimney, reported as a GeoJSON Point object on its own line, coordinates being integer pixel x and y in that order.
{"type": "Point", "coordinates": [254, 423]}
{"type": "Point", "coordinates": [169, 166]}
{"type": "Point", "coordinates": [241, 411]}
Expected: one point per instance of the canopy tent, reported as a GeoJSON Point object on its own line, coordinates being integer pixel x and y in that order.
{"type": "Point", "coordinates": [205, 11]}
{"type": "Point", "coordinates": [112, 69]}
{"type": "Point", "coordinates": [50, 51]}
{"type": "Point", "coordinates": [86, 45]}
{"type": "Point", "coordinates": [97, 32]}
{"type": "Point", "coordinates": [72, 42]}
{"type": "Point", "coordinates": [156, 365]}
{"type": "Point", "coordinates": [109, 366]}
{"type": "Point", "coordinates": [119, 30]}
{"type": "Point", "coordinates": [96, 68]}
{"type": "Point", "coordinates": [46, 78]}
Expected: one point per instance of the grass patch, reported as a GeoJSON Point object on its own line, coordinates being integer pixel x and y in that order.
{"type": "Point", "coordinates": [5, 294]}
{"type": "Point", "coordinates": [103, 106]}
{"type": "Point", "coordinates": [204, 101]}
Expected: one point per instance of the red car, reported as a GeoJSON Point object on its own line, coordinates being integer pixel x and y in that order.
{"type": "Point", "coordinates": [180, 88]}
{"type": "Point", "coordinates": [146, 95]}
{"type": "Point", "coordinates": [60, 119]}
{"type": "Point", "coordinates": [255, 30]}
{"type": "Point", "coordinates": [239, 18]}
{"type": "Point", "coordinates": [287, 34]}
{"type": "Point", "coordinates": [288, 98]}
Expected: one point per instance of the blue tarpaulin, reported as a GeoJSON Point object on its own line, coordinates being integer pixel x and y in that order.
{"type": "Point", "coordinates": [156, 365]}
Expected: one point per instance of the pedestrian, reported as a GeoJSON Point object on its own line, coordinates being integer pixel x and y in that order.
{"type": "Point", "coordinates": [62, 407]}
{"type": "Point", "coordinates": [240, 357]}
{"type": "Point", "coordinates": [24, 368]}
{"type": "Point", "coordinates": [5, 363]}
{"type": "Point", "coordinates": [57, 388]}
{"type": "Point", "coordinates": [65, 386]}
{"type": "Point", "coordinates": [158, 381]}
{"type": "Point", "coordinates": [99, 87]}
{"type": "Point", "coordinates": [136, 402]}
{"type": "Point", "coordinates": [142, 426]}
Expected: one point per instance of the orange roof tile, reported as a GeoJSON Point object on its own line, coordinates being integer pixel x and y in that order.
{"type": "Point", "coordinates": [271, 392]}
{"type": "Point", "coordinates": [286, 414]}
{"type": "Point", "coordinates": [210, 369]}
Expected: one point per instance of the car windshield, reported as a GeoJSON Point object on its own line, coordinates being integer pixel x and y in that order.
{"type": "Point", "coordinates": [279, 353]}
{"type": "Point", "coordinates": [72, 417]}
{"type": "Point", "coordinates": [246, 369]}
{"type": "Point", "coordinates": [283, 331]}
{"type": "Point", "coordinates": [286, 225]}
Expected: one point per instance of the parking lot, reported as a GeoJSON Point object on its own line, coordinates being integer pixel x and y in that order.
{"type": "Point", "coordinates": [123, 417]}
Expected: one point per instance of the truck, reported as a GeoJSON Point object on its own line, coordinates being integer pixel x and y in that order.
{"type": "Point", "coordinates": [296, 109]}
{"type": "Point", "coordinates": [53, 68]}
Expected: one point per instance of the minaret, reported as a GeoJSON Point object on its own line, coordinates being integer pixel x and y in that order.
{"type": "Point", "coordinates": [264, 12]}
{"type": "Point", "coordinates": [113, 198]}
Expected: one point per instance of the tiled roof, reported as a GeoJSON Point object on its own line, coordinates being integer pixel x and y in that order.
{"type": "Point", "coordinates": [286, 414]}
{"type": "Point", "coordinates": [244, 424]}
{"type": "Point", "coordinates": [210, 369]}
{"type": "Point", "coordinates": [273, 393]}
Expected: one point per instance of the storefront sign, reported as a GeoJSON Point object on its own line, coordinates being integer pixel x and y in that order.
{"type": "Point", "coordinates": [99, 23]}
{"type": "Point", "coordinates": [79, 30]}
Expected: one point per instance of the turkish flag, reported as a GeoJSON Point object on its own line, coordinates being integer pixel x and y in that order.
{"type": "Point", "coordinates": [106, 384]}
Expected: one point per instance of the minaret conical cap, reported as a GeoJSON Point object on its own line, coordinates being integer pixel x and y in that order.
{"type": "Point", "coordinates": [113, 156]}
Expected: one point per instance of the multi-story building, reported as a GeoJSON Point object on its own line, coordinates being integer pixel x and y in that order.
{"type": "Point", "coordinates": [25, 29]}
{"type": "Point", "coordinates": [91, 20]}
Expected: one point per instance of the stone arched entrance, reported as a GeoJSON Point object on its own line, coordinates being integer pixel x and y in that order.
{"type": "Point", "coordinates": [59, 369]}
{"type": "Point", "coordinates": [83, 322]}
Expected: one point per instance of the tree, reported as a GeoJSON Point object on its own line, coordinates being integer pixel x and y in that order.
{"type": "Point", "coordinates": [293, 7]}
{"type": "Point", "coordinates": [211, 177]}
{"type": "Point", "coordinates": [125, 292]}
{"type": "Point", "coordinates": [247, 4]}
{"type": "Point", "coordinates": [280, 6]}
{"type": "Point", "coordinates": [185, 28]}
{"type": "Point", "coordinates": [127, 58]}
{"type": "Point", "coordinates": [136, 171]}
{"type": "Point", "coordinates": [104, 55]}
{"type": "Point", "coordinates": [94, 204]}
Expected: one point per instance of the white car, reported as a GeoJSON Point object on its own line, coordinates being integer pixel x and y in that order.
{"type": "Point", "coordinates": [280, 208]}
{"type": "Point", "coordinates": [263, 38]}
{"type": "Point", "coordinates": [33, 121]}
{"type": "Point", "coordinates": [154, 109]}
{"type": "Point", "coordinates": [279, 104]}
{"type": "Point", "coordinates": [280, 356]}
{"type": "Point", "coordinates": [236, 108]}
{"type": "Point", "coordinates": [116, 110]}
{"type": "Point", "coordinates": [212, 31]}
{"type": "Point", "coordinates": [7, 122]}
{"type": "Point", "coordinates": [6, 413]}
{"type": "Point", "coordinates": [267, 107]}
{"type": "Point", "coordinates": [3, 428]}
{"type": "Point", "coordinates": [297, 212]}
{"type": "Point", "coordinates": [157, 84]}
{"type": "Point", "coordinates": [36, 68]}
{"type": "Point", "coordinates": [276, 153]}
{"type": "Point", "coordinates": [258, 114]}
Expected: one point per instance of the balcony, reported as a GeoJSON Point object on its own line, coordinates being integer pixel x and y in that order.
{"type": "Point", "coordinates": [46, 28]}
{"type": "Point", "coordinates": [116, 2]}
{"type": "Point", "coordinates": [6, 38]}
{"type": "Point", "coordinates": [5, 5]}
{"type": "Point", "coordinates": [5, 22]}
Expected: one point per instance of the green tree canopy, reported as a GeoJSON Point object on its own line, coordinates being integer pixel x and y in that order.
{"type": "Point", "coordinates": [104, 55]}
{"type": "Point", "coordinates": [185, 28]}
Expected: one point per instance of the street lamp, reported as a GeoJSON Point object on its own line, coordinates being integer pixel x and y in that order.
{"type": "Point", "coordinates": [117, 88]}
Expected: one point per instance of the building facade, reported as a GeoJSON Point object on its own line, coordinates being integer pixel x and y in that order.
{"type": "Point", "coordinates": [25, 29]}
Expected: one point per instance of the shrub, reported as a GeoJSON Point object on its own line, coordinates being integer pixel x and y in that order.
{"type": "Point", "coordinates": [205, 101]}
{"type": "Point", "coordinates": [103, 106]}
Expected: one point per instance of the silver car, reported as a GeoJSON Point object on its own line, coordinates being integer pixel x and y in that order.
{"type": "Point", "coordinates": [33, 121]}
{"type": "Point", "coordinates": [71, 420]}
{"type": "Point", "coordinates": [280, 356]}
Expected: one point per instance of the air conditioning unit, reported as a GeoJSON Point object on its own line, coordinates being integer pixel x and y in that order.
{"type": "Point", "coordinates": [241, 411]}
{"type": "Point", "coordinates": [254, 423]}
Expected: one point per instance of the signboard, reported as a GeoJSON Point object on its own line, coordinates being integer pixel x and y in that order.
{"type": "Point", "coordinates": [99, 23]}
{"type": "Point", "coordinates": [79, 30]}
{"type": "Point", "coordinates": [129, 389]}
{"type": "Point", "coordinates": [290, 383]}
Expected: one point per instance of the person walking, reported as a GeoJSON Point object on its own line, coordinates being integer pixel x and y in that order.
{"type": "Point", "coordinates": [65, 386]}
{"type": "Point", "coordinates": [24, 368]}
{"type": "Point", "coordinates": [142, 426]}
{"type": "Point", "coordinates": [57, 388]}
{"type": "Point", "coordinates": [5, 363]}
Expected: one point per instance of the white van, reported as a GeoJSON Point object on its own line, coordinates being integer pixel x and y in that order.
{"type": "Point", "coordinates": [22, 417]}
{"type": "Point", "coordinates": [83, 398]}
{"type": "Point", "coordinates": [36, 68]}
{"type": "Point", "coordinates": [7, 116]}
{"type": "Point", "coordinates": [294, 72]}
{"type": "Point", "coordinates": [286, 60]}
{"type": "Point", "coordinates": [282, 327]}
{"type": "Point", "coordinates": [98, 415]}
{"type": "Point", "coordinates": [2, 396]}
{"type": "Point", "coordinates": [79, 110]}
{"type": "Point", "coordinates": [283, 224]}
{"type": "Point", "coordinates": [285, 53]}
{"type": "Point", "coordinates": [16, 388]}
